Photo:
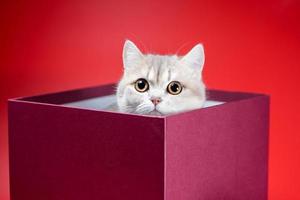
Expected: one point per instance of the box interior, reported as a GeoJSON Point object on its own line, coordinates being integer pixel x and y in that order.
{"type": "Point", "coordinates": [108, 102]}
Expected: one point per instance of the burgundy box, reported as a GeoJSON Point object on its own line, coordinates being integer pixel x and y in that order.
{"type": "Point", "coordinates": [62, 149]}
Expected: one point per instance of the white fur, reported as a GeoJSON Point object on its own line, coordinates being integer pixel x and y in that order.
{"type": "Point", "coordinates": [159, 71]}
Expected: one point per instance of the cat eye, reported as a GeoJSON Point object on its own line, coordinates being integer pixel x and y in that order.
{"type": "Point", "coordinates": [174, 88]}
{"type": "Point", "coordinates": [141, 85]}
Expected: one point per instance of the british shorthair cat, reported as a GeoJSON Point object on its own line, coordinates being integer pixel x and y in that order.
{"type": "Point", "coordinates": [160, 84]}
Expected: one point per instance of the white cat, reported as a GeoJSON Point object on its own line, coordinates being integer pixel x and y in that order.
{"type": "Point", "coordinates": [160, 84]}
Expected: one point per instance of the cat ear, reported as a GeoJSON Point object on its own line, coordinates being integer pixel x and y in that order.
{"type": "Point", "coordinates": [195, 58]}
{"type": "Point", "coordinates": [132, 56]}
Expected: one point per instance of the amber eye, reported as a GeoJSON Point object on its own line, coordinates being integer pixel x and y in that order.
{"type": "Point", "coordinates": [141, 85]}
{"type": "Point", "coordinates": [174, 87]}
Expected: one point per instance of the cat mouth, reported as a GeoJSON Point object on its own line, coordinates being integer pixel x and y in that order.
{"type": "Point", "coordinates": [155, 112]}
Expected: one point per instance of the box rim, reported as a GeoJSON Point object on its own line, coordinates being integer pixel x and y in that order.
{"type": "Point", "coordinates": [27, 100]}
{"type": "Point", "coordinates": [85, 109]}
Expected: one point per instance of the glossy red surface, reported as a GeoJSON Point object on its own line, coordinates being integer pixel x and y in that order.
{"type": "Point", "coordinates": [250, 46]}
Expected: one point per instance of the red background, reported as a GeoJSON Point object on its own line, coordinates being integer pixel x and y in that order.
{"type": "Point", "coordinates": [250, 46]}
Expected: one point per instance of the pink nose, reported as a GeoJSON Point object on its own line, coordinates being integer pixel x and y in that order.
{"type": "Point", "coordinates": [155, 101]}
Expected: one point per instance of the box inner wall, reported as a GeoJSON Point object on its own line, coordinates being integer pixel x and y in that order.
{"type": "Point", "coordinates": [108, 102]}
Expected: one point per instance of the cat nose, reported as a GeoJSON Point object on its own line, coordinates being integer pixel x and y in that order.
{"type": "Point", "coordinates": [155, 100]}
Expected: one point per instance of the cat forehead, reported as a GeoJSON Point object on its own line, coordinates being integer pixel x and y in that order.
{"type": "Point", "coordinates": [161, 60]}
{"type": "Point", "coordinates": [159, 68]}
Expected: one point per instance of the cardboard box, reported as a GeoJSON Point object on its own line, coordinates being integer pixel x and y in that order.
{"type": "Point", "coordinates": [62, 151]}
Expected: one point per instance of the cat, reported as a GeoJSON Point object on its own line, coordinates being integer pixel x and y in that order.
{"type": "Point", "coordinates": [160, 84]}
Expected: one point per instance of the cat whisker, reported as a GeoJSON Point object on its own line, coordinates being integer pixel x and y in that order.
{"type": "Point", "coordinates": [129, 109]}
{"type": "Point", "coordinates": [143, 108]}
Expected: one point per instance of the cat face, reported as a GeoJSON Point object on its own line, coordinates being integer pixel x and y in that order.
{"type": "Point", "coordinates": [160, 84]}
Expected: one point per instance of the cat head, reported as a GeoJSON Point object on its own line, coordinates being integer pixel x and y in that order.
{"type": "Point", "coordinates": [161, 84]}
